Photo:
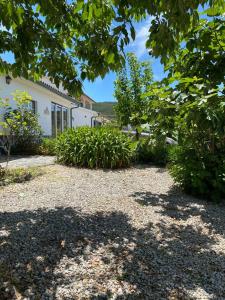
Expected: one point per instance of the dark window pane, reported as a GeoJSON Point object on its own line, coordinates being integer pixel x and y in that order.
{"type": "Point", "coordinates": [65, 118]}
{"type": "Point", "coordinates": [60, 116]}
{"type": "Point", "coordinates": [53, 112]}
{"type": "Point", "coordinates": [59, 119]}
{"type": "Point", "coordinates": [32, 106]}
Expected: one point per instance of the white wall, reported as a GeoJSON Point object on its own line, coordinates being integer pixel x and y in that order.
{"type": "Point", "coordinates": [81, 116]}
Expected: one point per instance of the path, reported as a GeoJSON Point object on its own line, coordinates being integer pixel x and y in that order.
{"type": "Point", "coordinates": [129, 234]}
{"type": "Point", "coordinates": [28, 161]}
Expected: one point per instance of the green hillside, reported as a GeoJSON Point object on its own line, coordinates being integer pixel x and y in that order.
{"type": "Point", "coordinates": [105, 108]}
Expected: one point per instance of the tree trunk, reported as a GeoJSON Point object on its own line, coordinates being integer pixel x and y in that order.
{"type": "Point", "coordinates": [137, 135]}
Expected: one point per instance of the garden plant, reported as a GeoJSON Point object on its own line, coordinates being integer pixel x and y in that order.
{"type": "Point", "coordinates": [20, 130]}
{"type": "Point", "coordinates": [94, 148]}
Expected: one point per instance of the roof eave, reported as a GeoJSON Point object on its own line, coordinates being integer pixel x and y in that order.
{"type": "Point", "coordinates": [57, 92]}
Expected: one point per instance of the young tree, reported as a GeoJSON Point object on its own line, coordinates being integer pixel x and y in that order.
{"type": "Point", "coordinates": [130, 85]}
{"type": "Point", "coordinates": [123, 108]}
{"type": "Point", "coordinates": [18, 126]}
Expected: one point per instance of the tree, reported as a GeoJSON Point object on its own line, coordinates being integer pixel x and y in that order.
{"type": "Point", "coordinates": [70, 41]}
{"type": "Point", "coordinates": [18, 126]}
{"type": "Point", "coordinates": [123, 107]}
{"type": "Point", "coordinates": [193, 109]}
{"type": "Point", "coordinates": [130, 85]}
{"type": "Point", "coordinates": [197, 95]}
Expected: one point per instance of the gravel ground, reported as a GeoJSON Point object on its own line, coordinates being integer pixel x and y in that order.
{"type": "Point", "coordinates": [27, 161]}
{"type": "Point", "coordinates": [80, 234]}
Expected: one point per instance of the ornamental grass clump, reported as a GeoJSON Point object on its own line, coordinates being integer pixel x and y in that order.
{"type": "Point", "coordinates": [94, 148]}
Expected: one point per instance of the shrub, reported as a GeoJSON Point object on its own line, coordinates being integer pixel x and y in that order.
{"type": "Point", "coordinates": [48, 146]}
{"type": "Point", "coordinates": [201, 175]}
{"type": "Point", "coordinates": [94, 148]}
{"type": "Point", "coordinates": [27, 133]}
{"type": "Point", "coordinates": [19, 126]}
{"type": "Point", "coordinates": [152, 152]}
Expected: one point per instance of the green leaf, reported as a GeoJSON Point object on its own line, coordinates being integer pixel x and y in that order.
{"type": "Point", "coordinates": [133, 35]}
{"type": "Point", "coordinates": [110, 58]}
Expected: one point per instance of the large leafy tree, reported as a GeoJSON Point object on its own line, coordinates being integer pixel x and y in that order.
{"type": "Point", "coordinates": [193, 108]}
{"type": "Point", "coordinates": [73, 40]}
{"type": "Point", "coordinates": [130, 85]}
{"type": "Point", "coordinates": [197, 76]}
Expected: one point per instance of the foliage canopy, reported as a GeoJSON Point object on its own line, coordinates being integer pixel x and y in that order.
{"type": "Point", "coordinates": [73, 40]}
{"type": "Point", "coordinates": [190, 106]}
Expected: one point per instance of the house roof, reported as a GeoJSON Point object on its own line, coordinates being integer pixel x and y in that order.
{"type": "Point", "coordinates": [83, 96]}
{"type": "Point", "coordinates": [59, 92]}
{"type": "Point", "coordinates": [56, 91]}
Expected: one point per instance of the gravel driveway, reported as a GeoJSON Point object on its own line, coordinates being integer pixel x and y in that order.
{"type": "Point", "coordinates": [80, 234]}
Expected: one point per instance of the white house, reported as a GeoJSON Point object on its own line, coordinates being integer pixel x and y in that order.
{"type": "Point", "coordinates": [56, 110]}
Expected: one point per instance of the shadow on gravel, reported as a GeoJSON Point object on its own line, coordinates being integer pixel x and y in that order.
{"type": "Point", "coordinates": [179, 206]}
{"type": "Point", "coordinates": [159, 261]}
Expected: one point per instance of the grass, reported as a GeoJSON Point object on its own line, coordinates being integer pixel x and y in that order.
{"type": "Point", "coordinates": [18, 175]}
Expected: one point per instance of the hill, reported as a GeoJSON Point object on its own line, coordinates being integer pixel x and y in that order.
{"type": "Point", "coordinates": [105, 108]}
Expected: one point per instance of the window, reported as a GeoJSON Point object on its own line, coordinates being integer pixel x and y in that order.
{"type": "Point", "coordinates": [59, 116]}
{"type": "Point", "coordinates": [88, 106]}
{"type": "Point", "coordinates": [53, 115]}
{"type": "Point", "coordinates": [32, 106]}
{"type": "Point", "coordinates": [58, 119]}
{"type": "Point", "coordinates": [65, 118]}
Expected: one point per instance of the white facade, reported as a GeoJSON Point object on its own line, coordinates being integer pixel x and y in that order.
{"type": "Point", "coordinates": [83, 117]}
{"type": "Point", "coordinates": [44, 98]}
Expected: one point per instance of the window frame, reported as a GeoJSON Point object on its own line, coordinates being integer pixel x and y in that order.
{"type": "Point", "coordinates": [32, 106]}
{"type": "Point", "coordinates": [62, 125]}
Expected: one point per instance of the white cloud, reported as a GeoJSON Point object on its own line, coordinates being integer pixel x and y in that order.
{"type": "Point", "coordinates": [142, 33]}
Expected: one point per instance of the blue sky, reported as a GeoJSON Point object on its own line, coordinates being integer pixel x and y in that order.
{"type": "Point", "coordinates": [102, 89]}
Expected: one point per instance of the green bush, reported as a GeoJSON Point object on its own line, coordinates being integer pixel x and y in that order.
{"type": "Point", "coordinates": [152, 152]}
{"type": "Point", "coordinates": [48, 146]}
{"type": "Point", "coordinates": [201, 175]}
{"type": "Point", "coordinates": [94, 148]}
{"type": "Point", "coordinates": [26, 132]}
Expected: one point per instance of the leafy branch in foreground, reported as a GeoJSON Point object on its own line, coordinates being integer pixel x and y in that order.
{"type": "Point", "coordinates": [70, 41]}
